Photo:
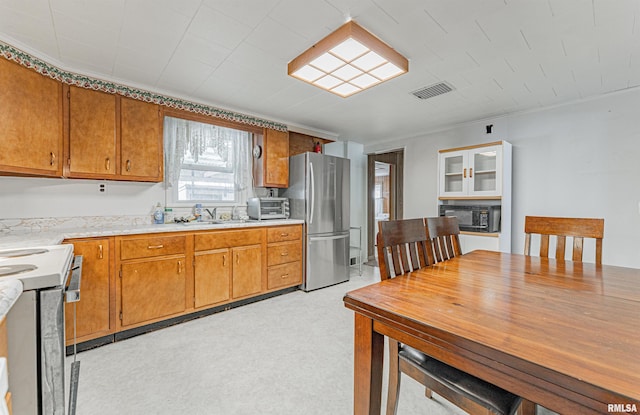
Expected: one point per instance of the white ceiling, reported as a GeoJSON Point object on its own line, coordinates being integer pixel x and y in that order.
{"type": "Point", "coordinates": [502, 56]}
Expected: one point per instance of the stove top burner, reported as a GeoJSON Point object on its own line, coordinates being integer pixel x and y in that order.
{"type": "Point", "coordinates": [7, 270]}
{"type": "Point", "coordinates": [22, 252]}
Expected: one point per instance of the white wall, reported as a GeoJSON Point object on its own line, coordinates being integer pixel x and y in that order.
{"type": "Point", "coordinates": [578, 160]}
{"type": "Point", "coordinates": [37, 198]}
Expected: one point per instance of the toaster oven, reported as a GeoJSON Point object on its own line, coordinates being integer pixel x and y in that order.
{"type": "Point", "coordinates": [262, 208]}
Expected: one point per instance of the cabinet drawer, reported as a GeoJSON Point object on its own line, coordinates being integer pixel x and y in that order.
{"type": "Point", "coordinates": [283, 253]}
{"type": "Point", "coordinates": [284, 275]}
{"type": "Point", "coordinates": [284, 233]}
{"type": "Point", "coordinates": [227, 239]}
{"type": "Point", "coordinates": [152, 246]}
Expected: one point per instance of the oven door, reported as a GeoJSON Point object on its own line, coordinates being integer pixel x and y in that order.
{"type": "Point", "coordinates": [52, 343]}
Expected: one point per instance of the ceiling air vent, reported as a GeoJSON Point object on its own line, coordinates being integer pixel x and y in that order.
{"type": "Point", "coordinates": [433, 90]}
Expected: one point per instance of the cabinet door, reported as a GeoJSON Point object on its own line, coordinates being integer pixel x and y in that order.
{"type": "Point", "coordinates": [30, 122]}
{"type": "Point", "coordinates": [247, 270]}
{"type": "Point", "coordinates": [453, 173]}
{"type": "Point", "coordinates": [152, 289]}
{"type": "Point", "coordinates": [277, 158]}
{"type": "Point", "coordinates": [485, 171]}
{"type": "Point", "coordinates": [92, 134]}
{"type": "Point", "coordinates": [212, 277]}
{"type": "Point", "coordinates": [93, 309]}
{"type": "Point", "coordinates": [141, 141]}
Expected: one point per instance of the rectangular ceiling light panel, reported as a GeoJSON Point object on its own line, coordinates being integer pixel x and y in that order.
{"type": "Point", "coordinates": [348, 61]}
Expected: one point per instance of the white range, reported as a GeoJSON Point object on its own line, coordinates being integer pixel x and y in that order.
{"type": "Point", "coordinates": [35, 326]}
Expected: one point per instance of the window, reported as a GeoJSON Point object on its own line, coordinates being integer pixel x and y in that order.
{"type": "Point", "coordinates": [206, 163]}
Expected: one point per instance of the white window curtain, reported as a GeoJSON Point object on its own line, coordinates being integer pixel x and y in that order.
{"type": "Point", "coordinates": [206, 148]}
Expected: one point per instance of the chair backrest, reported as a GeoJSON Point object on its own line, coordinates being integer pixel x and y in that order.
{"type": "Point", "coordinates": [578, 228]}
{"type": "Point", "coordinates": [403, 246]}
{"type": "Point", "coordinates": [444, 233]}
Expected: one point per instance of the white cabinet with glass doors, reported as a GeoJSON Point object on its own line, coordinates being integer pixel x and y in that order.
{"type": "Point", "coordinates": [471, 172]}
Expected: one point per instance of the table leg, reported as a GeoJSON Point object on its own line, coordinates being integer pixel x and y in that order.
{"type": "Point", "coordinates": [368, 357]}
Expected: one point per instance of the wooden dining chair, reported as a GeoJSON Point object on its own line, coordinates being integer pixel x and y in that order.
{"type": "Point", "coordinates": [561, 228]}
{"type": "Point", "coordinates": [444, 233]}
{"type": "Point", "coordinates": [405, 246]}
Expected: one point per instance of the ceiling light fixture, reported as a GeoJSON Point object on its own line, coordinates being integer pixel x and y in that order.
{"type": "Point", "coordinates": [348, 61]}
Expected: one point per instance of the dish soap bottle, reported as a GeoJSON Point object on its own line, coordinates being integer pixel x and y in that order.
{"type": "Point", "coordinates": [158, 215]}
{"type": "Point", "coordinates": [197, 212]}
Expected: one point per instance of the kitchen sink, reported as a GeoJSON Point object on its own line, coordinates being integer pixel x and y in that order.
{"type": "Point", "coordinates": [217, 222]}
{"type": "Point", "coordinates": [203, 223]}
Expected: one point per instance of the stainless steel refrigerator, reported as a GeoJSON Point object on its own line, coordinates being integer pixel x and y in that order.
{"type": "Point", "coordinates": [319, 193]}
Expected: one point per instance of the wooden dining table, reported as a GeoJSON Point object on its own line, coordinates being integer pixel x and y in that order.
{"type": "Point", "coordinates": [563, 334]}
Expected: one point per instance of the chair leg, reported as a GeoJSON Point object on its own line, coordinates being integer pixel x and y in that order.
{"type": "Point", "coordinates": [527, 408]}
{"type": "Point", "coordinates": [394, 378]}
{"type": "Point", "coordinates": [428, 393]}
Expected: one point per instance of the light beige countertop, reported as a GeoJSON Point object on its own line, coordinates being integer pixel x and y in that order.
{"type": "Point", "coordinates": [31, 237]}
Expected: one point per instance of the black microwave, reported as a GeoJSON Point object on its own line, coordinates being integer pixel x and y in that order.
{"type": "Point", "coordinates": [474, 218]}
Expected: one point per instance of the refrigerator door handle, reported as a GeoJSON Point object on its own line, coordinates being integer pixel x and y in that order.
{"type": "Point", "coordinates": [328, 238]}
{"type": "Point", "coordinates": [313, 191]}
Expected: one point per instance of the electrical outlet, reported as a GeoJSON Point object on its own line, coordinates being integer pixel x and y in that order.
{"type": "Point", "coordinates": [102, 188]}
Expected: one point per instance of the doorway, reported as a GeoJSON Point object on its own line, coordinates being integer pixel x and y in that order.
{"type": "Point", "coordinates": [384, 185]}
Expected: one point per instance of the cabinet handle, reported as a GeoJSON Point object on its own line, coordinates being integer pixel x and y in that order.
{"type": "Point", "coordinates": [179, 267]}
{"type": "Point", "coordinates": [224, 260]}
{"type": "Point", "coordinates": [100, 252]}
{"type": "Point", "coordinates": [284, 253]}
{"type": "Point", "coordinates": [237, 258]}
{"type": "Point", "coordinates": [52, 160]}
{"type": "Point", "coordinates": [470, 172]}
{"type": "Point", "coordinates": [464, 173]}
{"type": "Point", "coordinates": [155, 246]}
{"type": "Point", "coordinates": [284, 276]}
{"type": "Point", "coordinates": [107, 164]}
{"type": "Point", "coordinates": [284, 234]}
{"type": "Point", "coordinates": [128, 165]}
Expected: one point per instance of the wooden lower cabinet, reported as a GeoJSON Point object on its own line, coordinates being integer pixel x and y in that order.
{"type": "Point", "coordinates": [212, 277]}
{"type": "Point", "coordinates": [247, 270]}
{"type": "Point", "coordinates": [135, 280]}
{"type": "Point", "coordinates": [242, 252]}
{"type": "Point", "coordinates": [285, 275]}
{"type": "Point", "coordinates": [93, 312]}
{"type": "Point", "coordinates": [284, 256]}
{"type": "Point", "coordinates": [152, 289]}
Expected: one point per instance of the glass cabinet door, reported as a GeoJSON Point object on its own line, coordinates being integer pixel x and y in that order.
{"type": "Point", "coordinates": [474, 172]}
{"type": "Point", "coordinates": [484, 171]}
{"type": "Point", "coordinates": [453, 174]}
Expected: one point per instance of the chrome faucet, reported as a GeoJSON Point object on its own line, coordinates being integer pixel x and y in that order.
{"type": "Point", "coordinates": [233, 212]}
{"type": "Point", "coordinates": [212, 214]}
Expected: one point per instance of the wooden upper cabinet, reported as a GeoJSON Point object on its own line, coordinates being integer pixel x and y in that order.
{"type": "Point", "coordinates": [141, 141]}
{"type": "Point", "coordinates": [112, 137]}
{"type": "Point", "coordinates": [92, 145]}
{"type": "Point", "coordinates": [30, 122]}
{"type": "Point", "coordinates": [271, 159]}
